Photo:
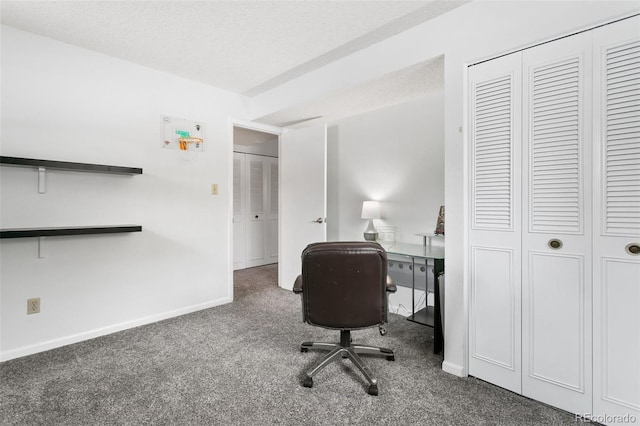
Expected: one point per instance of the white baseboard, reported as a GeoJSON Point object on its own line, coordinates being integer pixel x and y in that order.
{"type": "Point", "coordinates": [455, 369]}
{"type": "Point", "coordinates": [91, 334]}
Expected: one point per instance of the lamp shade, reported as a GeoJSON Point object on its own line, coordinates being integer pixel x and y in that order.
{"type": "Point", "coordinates": [370, 210]}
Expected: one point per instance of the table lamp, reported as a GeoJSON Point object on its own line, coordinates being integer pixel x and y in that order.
{"type": "Point", "coordinates": [370, 210]}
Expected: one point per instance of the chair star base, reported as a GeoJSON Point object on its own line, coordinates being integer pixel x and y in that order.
{"type": "Point", "coordinates": [345, 349]}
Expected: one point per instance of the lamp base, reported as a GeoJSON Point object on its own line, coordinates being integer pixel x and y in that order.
{"type": "Point", "coordinates": [370, 236]}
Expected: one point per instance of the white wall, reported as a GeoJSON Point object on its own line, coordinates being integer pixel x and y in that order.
{"type": "Point", "coordinates": [394, 155]}
{"type": "Point", "coordinates": [65, 103]}
{"type": "Point", "coordinates": [478, 30]}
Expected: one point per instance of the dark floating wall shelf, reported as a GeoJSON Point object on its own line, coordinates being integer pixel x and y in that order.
{"type": "Point", "coordinates": [66, 165]}
{"type": "Point", "coordinates": [43, 166]}
{"type": "Point", "coordinates": [74, 230]}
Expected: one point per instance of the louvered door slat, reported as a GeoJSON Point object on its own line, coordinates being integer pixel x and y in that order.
{"type": "Point", "coordinates": [618, 104]}
{"type": "Point", "coordinates": [273, 182]}
{"type": "Point", "coordinates": [491, 97]}
{"type": "Point", "coordinates": [623, 96]}
{"type": "Point", "coordinates": [623, 63]}
{"type": "Point", "coordinates": [492, 154]}
{"type": "Point", "coordinates": [627, 144]}
{"type": "Point", "coordinates": [569, 105]}
{"type": "Point", "coordinates": [552, 119]}
{"type": "Point", "coordinates": [256, 192]}
{"type": "Point", "coordinates": [622, 88]}
{"type": "Point", "coordinates": [555, 148]}
{"type": "Point", "coordinates": [237, 186]}
{"type": "Point", "coordinates": [629, 70]}
{"type": "Point", "coordinates": [622, 140]}
{"type": "Point", "coordinates": [628, 129]}
{"type": "Point", "coordinates": [551, 93]}
{"type": "Point", "coordinates": [239, 210]}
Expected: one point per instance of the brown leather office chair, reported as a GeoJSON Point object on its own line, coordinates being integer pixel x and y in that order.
{"type": "Point", "coordinates": [344, 287]}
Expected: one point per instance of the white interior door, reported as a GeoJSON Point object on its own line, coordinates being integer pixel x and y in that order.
{"type": "Point", "coordinates": [616, 289]}
{"type": "Point", "coordinates": [303, 197]}
{"type": "Point", "coordinates": [556, 284]}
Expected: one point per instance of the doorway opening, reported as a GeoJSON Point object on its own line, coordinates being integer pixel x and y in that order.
{"type": "Point", "coordinates": [255, 198]}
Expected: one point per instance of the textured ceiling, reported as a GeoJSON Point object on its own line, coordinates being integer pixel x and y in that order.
{"type": "Point", "coordinates": [243, 46]}
{"type": "Point", "coordinates": [246, 47]}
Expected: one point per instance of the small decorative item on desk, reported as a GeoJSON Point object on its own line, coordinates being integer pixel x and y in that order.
{"type": "Point", "coordinates": [439, 231]}
{"type": "Point", "coordinates": [386, 236]}
{"type": "Point", "coordinates": [440, 223]}
{"type": "Point", "coordinates": [370, 210]}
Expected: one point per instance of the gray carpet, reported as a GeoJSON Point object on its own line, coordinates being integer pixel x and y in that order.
{"type": "Point", "coordinates": [240, 364]}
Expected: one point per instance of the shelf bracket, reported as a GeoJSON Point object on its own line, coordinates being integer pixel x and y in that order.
{"type": "Point", "coordinates": [42, 187]}
{"type": "Point", "coordinates": [41, 248]}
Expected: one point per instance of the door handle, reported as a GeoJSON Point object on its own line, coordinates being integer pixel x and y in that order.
{"type": "Point", "coordinates": [633, 248]}
{"type": "Point", "coordinates": [555, 244]}
{"type": "Point", "coordinates": [318, 220]}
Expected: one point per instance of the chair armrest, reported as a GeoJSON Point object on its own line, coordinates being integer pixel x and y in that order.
{"type": "Point", "coordinates": [391, 287]}
{"type": "Point", "coordinates": [297, 286]}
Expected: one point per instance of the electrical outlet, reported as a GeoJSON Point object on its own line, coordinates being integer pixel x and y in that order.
{"type": "Point", "coordinates": [33, 306]}
{"type": "Point", "coordinates": [214, 189]}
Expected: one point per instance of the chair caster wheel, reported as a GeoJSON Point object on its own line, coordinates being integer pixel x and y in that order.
{"type": "Point", "coordinates": [373, 390]}
{"type": "Point", "coordinates": [308, 382]}
{"type": "Point", "coordinates": [304, 349]}
{"type": "Point", "coordinates": [391, 357]}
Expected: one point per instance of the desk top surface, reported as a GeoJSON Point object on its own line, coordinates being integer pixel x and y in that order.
{"type": "Point", "coordinates": [415, 250]}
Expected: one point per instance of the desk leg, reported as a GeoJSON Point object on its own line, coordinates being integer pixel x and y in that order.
{"type": "Point", "coordinates": [413, 288]}
{"type": "Point", "coordinates": [438, 337]}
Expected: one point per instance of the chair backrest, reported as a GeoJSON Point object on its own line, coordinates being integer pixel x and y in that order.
{"type": "Point", "coordinates": [344, 285]}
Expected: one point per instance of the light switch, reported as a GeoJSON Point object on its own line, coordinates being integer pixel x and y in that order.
{"type": "Point", "coordinates": [214, 189]}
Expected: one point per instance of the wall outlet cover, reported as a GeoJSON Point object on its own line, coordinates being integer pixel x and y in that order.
{"type": "Point", "coordinates": [33, 306]}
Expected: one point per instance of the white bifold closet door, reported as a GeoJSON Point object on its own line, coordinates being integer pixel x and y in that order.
{"type": "Point", "coordinates": [556, 215]}
{"type": "Point", "coordinates": [256, 220]}
{"type": "Point", "coordinates": [262, 220]}
{"type": "Point", "coordinates": [255, 210]}
{"type": "Point", "coordinates": [495, 234]}
{"type": "Point", "coordinates": [554, 232]}
{"type": "Point", "coordinates": [239, 211]}
{"type": "Point", "coordinates": [616, 268]}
